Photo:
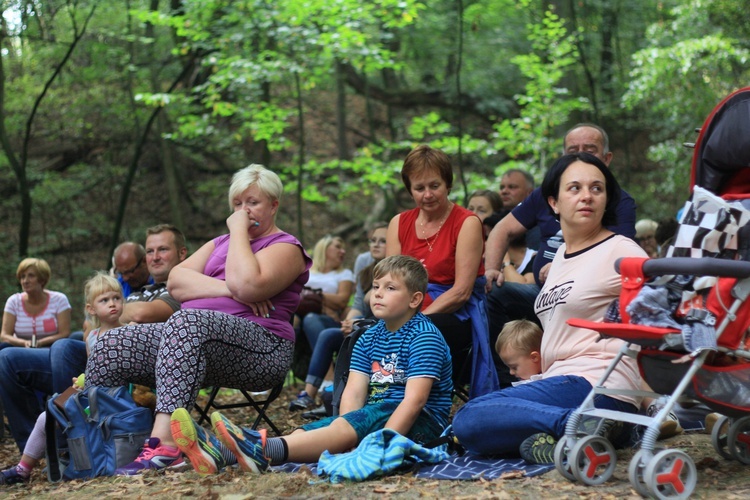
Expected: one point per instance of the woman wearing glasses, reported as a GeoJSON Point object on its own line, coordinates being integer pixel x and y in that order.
{"type": "Point", "coordinates": [330, 339]}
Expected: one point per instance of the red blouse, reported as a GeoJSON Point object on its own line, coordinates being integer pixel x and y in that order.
{"type": "Point", "coordinates": [441, 262]}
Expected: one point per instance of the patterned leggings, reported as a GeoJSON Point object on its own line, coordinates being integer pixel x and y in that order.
{"type": "Point", "coordinates": [195, 348]}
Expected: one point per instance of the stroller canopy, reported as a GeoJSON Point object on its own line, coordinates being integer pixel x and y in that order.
{"type": "Point", "coordinates": [721, 161]}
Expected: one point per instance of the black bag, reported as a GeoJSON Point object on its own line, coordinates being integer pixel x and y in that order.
{"type": "Point", "coordinates": [344, 359]}
{"type": "Point", "coordinates": [311, 301]}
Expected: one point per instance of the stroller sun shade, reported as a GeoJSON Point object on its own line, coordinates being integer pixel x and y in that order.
{"type": "Point", "coordinates": [721, 161]}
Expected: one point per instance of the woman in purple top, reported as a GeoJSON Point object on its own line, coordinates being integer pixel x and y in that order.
{"type": "Point", "coordinates": [238, 293]}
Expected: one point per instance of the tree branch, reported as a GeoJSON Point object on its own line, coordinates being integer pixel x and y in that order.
{"type": "Point", "coordinates": [410, 98]}
{"type": "Point", "coordinates": [137, 156]}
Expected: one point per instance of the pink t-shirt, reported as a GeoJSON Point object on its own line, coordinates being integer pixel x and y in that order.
{"type": "Point", "coordinates": [43, 324]}
{"type": "Point", "coordinates": [582, 285]}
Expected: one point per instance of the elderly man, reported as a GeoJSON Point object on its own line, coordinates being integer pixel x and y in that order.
{"type": "Point", "coordinates": [515, 186]}
{"type": "Point", "coordinates": [25, 371]}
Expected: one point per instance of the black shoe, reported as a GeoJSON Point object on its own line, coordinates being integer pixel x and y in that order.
{"type": "Point", "coordinates": [315, 414]}
{"type": "Point", "coordinates": [538, 449]}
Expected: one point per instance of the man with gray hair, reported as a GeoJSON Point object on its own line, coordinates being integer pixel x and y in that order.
{"type": "Point", "coordinates": [515, 186]}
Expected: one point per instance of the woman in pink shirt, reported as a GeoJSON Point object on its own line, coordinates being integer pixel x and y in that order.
{"type": "Point", "coordinates": [238, 293]}
{"type": "Point", "coordinates": [35, 317]}
{"type": "Point", "coordinates": [582, 283]}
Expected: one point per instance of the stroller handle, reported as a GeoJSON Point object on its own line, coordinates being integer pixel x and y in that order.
{"type": "Point", "coordinates": [706, 266]}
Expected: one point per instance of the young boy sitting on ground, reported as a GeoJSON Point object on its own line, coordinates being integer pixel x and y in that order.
{"type": "Point", "coordinates": [400, 379]}
{"type": "Point", "coordinates": [518, 346]}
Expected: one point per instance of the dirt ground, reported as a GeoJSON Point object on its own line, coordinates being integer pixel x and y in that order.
{"type": "Point", "coordinates": [717, 478]}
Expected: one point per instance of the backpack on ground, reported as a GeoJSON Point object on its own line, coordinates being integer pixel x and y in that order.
{"type": "Point", "coordinates": [344, 359]}
{"type": "Point", "coordinates": [104, 429]}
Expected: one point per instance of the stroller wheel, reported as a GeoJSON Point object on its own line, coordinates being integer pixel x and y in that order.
{"type": "Point", "coordinates": [562, 462]}
{"type": "Point", "coordinates": [738, 440]}
{"type": "Point", "coordinates": [593, 460]}
{"type": "Point", "coordinates": [719, 437]}
{"type": "Point", "coordinates": [635, 472]}
{"type": "Point", "coordinates": [671, 474]}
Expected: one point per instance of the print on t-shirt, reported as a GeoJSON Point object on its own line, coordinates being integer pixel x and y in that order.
{"type": "Point", "coordinates": [549, 299]}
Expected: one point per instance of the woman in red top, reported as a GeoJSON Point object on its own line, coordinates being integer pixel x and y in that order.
{"type": "Point", "coordinates": [448, 239]}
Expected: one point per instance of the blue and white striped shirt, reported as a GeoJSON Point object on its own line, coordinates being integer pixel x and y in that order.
{"type": "Point", "coordinates": [389, 359]}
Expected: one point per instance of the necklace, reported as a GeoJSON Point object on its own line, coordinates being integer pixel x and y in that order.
{"type": "Point", "coordinates": [434, 236]}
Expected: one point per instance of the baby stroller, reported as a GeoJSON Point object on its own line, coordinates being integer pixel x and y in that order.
{"type": "Point", "coordinates": [705, 356]}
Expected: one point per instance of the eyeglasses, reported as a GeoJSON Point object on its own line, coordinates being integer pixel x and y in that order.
{"type": "Point", "coordinates": [377, 241]}
{"type": "Point", "coordinates": [130, 271]}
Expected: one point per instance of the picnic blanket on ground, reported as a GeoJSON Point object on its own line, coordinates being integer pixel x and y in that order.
{"type": "Point", "coordinates": [466, 467]}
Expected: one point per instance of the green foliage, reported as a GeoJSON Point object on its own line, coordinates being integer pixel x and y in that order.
{"type": "Point", "coordinates": [534, 136]}
{"type": "Point", "coordinates": [688, 67]}
{"type": "Point", "coordinates": [648, 70]}
{"type": "Point", "coordinates": [262, 45]}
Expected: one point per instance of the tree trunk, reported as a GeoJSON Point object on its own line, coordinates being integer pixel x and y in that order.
{"type": "Point", "coordinates": [165, 147]}
{"type": "Point", "coordinates": [19, 165]}
{"type": "Point", "coordinates": [125, 193]}
{"type": "Point", "coordinates": [341, 138]}
{"type": "Point", "coordinates": [301, 159]}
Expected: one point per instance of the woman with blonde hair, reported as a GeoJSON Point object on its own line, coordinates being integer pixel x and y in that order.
{"type": "Point", "coordinates": [35, 317]}
{"type": "Point", "coordinates": [238, 294]}
{"type": "Point", "coordinates": [645, 235]}
{"type": "Point", "coordinates": [328, 273]}
{"type": "Point", "coordinates": [337, 283]}
{"type": "Point", "coordinates": [329, 340]}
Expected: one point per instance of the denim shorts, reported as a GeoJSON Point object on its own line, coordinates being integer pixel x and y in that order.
{"type": "Point", "coordinates": [373, 417]}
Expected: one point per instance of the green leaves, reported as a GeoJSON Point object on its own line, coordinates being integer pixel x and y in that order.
{"type": "Point", "coordinates": [533, 137]}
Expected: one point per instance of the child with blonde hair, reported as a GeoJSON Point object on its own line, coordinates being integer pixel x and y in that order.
{"type": "Point", "coordinates": [519, 345]}
{"type": "Point", "coordinates": [104, 305]}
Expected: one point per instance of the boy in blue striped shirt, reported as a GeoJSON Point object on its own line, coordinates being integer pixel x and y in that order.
{"type": "Point", "coordinates": [400, 379]}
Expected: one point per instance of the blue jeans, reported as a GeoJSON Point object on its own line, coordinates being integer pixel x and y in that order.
{"type": "Point", "coordinates": [505, 303]}
{"type": "Point", "coordinates": [497, 423]}
{"type": "Point", "coordinates": [328, 342]}
{"type": "Point", "coordinates": [24, 372]}
{"type": "Point", "coordinates": [313, 324]}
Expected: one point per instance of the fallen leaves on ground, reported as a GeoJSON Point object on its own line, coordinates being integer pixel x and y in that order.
{"type": "Point", "coordinates": [716, 477]}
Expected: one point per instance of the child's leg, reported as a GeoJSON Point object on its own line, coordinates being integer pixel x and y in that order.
{"type": "Point", "coordinates": [338, 437]}
{"type": "Point", "coordinates": [37, 443]}
{"type": "Point", "coordinates": [32, 453]}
